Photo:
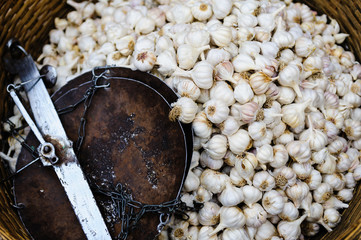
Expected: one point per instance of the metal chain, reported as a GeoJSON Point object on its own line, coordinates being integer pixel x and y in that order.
{"type": "Point", "coordinates": [87, 99]}
{"type": "Point", "coordinates": [130, 211]}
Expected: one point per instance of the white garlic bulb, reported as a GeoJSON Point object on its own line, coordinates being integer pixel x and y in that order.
{"type": "Point", "coordinates": [272, 202]}
{"type": "Point", "coordinates": [202, 127]}
{"type": "Point", "coordinates": [184, 110]}
{"type": "Point", "coordinates": [216, 110]}
{"type": "Point", "coordinates": [290, 230]}
{"type": "Point", "coordinates": [231, 195]}
{"type": "Point", "coordinates": [192, 182]}
{"type": "Point", "coordinates": [304, 46]}
{"type": "Point", "coordinates": [264, 155]}
{"type": "Point", "coordinates": [203, 195]}
{"type": "Point", "coordinates": [259, 82]}
{"type": "Point", "coordinates": [245, 166]}
{"type": "Point", "coordinates": [187, 55]}
{"type": "Point", "coordinates": [289, 212]}
{"type": "Point", "coordinates": [266, 231]}
{"type": "Point", "coordinates": [280, 156]}
{"type": "Point", "coordinates": [299, 151]}
{"type": "Point", "coordinates": [251, 195]}
{"type": "Point", "coordinates": [214, 181]}
{"type": "Point", "coordinates": [204, 233]}
{"type": "Point", "coordinates": [201, 11]}
{"type": "Point", "coordinates": [263, 181]}
{"type": "Point", "coordinates": [235, 233]}
{"type": "Point", "coordinates": [208, 161]}
{"type": "Point", "coordinates": [255, 215]}
{"type": "Point", "coordinates": [314, 179]}
{"type": "Point", "coordinates": [230, 217]}
{"type": "Point", "coordinates": [294, 114]}
{"type": "Point", "coordinates": [322, 193]}
{"type": "Point", "coordinates": [257, 130]}
{"type": "Point", "coordinates": [229, 126]}
{"type": "Point", "coordinates": [209, 214]}
{"type": "Point", "coordinates": [297, 192]}
{"type": "Point", "coordinates": [223, 92]}
{"type": "Point", "coordinates": [284, 177]}
{"type": "Point", "coordinates": [239, 141]}
{"type": "Point", "coordinates": [216, 147]}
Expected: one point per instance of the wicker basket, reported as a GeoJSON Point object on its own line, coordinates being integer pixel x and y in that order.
{"type": "Point", "coordinates": [30, 21]}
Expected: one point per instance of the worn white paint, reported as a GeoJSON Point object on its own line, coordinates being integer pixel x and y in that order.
{"type": "Point", "coordinates": [69, 173]}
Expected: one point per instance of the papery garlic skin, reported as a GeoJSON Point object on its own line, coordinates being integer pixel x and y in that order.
{"type": "Point", "coordinates": [216, 147]}
{"type": "Point", "coordinates": [209, 214]}
{"type": "Point", "coordinates": [272, 202]}
{"type": "Point", "coordinates": [255, 215]}
{"type": "Point", "coordinates": [214, 181]}
{"type": "Point", "coordinates": [230, 217]}
{"type": "Point", "coordinates": [184, 110]}
{"type": "Point", "coordinates": [231, 195]}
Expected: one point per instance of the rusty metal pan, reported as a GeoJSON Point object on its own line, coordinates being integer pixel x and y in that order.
{"type": "Point", "coordinates": [128, 139]}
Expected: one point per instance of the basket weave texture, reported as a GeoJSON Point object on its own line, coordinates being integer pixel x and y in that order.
{"type": "Point", "coordinates": [31, 20]}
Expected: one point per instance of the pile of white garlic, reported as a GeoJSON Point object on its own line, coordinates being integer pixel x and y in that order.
{"type": "Point", "coordinates": [272, 98]}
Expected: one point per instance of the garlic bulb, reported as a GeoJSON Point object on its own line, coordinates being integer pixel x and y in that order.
{"type": "Point", "coordinates": [257, 130]}
{"type": "Point", "coordinates": [231, 195]}
{"type": "Point", "coordinates": [314, 179]}
{"type": "Point", "coordinates": [209, 214]}
{"type": "Point", "coordinates": [204, 233]}
{"type": "Point", "coordinates": [239, 141]}
{"type": "Point", "coordinates": [294, 114]}
{"type": "Point", "coordinates": [255, 215]}
{"type": "Point", "coordinates": [187, 55]}
{"type": "Point", "coordinates": [202, 127]}
{"type": "Point", "coordinates": [180, 230]}
{"type": "Point", "coordinates": [245, 166]}
{"type": "Point", "coordinates": [263, 181]}
{"type": "Point", "coordinates": [251, 195]}
{"type": "Point", "coordinates": [297, 192]}
{"type": "Point", "coordinates": [216, 56]}
{"type": "Point", "coordinates": [284, 177]}
{"type": "Point", "coordinates": [272, 202]}
{"type": "Point", "coordinates": [192, 182]}
{"type": "Point", "coordinates": [229, 126]}
{"type": "Point", "coordinates": [235, 233]}
{"type": "Point", "coordinates": [207, 161]}
{"type": "Point", "coordinates": [216, 110]}
{"type": "Point", "coordinates": [230, 217]}
{"type": "Point", "coordinates": [345, 195]}
{"type": "Point", "coordinates": [201, 11]}
{"type": "Point", "coordinates": [203, 195]}
{"type": "Point", "coordinates": [221, 9]}
{"type": "Point", "coordinates": [290, 230]}
{"type": "Point", "coordinates": [248, 112]}
{"type": "Point", "coordinates": [322, 193]}
{"type": "Point", "coordinates": [266, 231]}
{"type": "Point", "coordinates": [290, 77]}
{"type": "Point", "coordinates": [184, 110]}
{"type": "Point", "coordinates": [214, 181]}
{"type": "Point", "coordinates": [304, 46]}
{"type": "Point", "coordinates": [280, 156]}
{"type": "Point", "coordinates": [224, 71]}
{"type": "Point", "coordinates": [223, 92]}
{"type": "Point", "coordinates": [289, 212]}
{"type": "Point", "coordinates": [264, 155]}
{"type": "Point", "coordinates": [299, 151]}
{"type": "Point", "coordinates": [302, 170]}
{"type": "Point", "coordinates": [333, 202]}
{"type": "Point", "coordinates": [216, 147]}
{"type": "Point", "coordinates": [220, 35]}
{"type": "Point", "coordinates": [331, 217]}
{"type": "Point", "coordinates": [259, 82]}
